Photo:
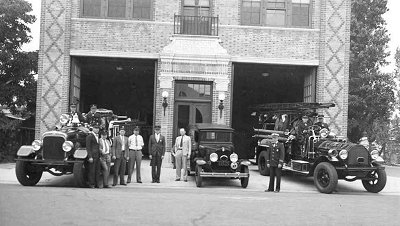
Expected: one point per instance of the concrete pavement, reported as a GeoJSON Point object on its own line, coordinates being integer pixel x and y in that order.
{"type": "Point", "coordinates": [258, 183]}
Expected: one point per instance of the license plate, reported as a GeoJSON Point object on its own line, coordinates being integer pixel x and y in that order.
{"type": "Point", "coordinates": [223, 163]}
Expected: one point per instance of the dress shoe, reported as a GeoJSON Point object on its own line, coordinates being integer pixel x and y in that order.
{"type": "Point", "coordinates": [128, 181]}
{"type": "Point", "coordinates": [277, 190]}
{"type": "Point", "coordinates": [114, 185]}
{"type": "Point", "coordinates": [91, 186]}
{"type": "Point", "coordinates": [139, 182]}
{"type": "Point", "coordinates": [106, 186]}
{"type": "Point", "coordinates": [185, 180]}
{"type": "Point", "coordinates": [153, 181]}
{"type": "Point", "coordinates": [158, 181]}
{"type": "Point", "coordinates": [177, 179]}
{"type": "Point", "coordinates": [123, 184]}
{"type": "Point", "coordinates": [269, 190]}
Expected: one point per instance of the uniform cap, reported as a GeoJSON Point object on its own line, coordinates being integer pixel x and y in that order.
{"type": "Point", "coordinates": [93, 106]}
{"type": "Point", "coordinates": [157, 127]}
{"type": "Point", "coordinates": [320, 116]}
{"type": "Point", "coordinates": [136, 128]}
{"type": "Point", "coordinates": [103, 132]}
{"type": "Point", "coordinates": [304, 116]}
{"type": "Point", "coordinates": [274, 135]}
{"type": "Point", "coordinates": [122, 128]}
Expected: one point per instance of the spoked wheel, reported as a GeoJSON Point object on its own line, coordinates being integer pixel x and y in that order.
{"type": "Point", "coordinates": [262, 164]}
{"type": "Point", "coordinates": [27, 174]}
{"type": "Point", "coordinates": [198, 178]}
{"type": "Point", "coordinates": [376, 181]}
{"type": "Point", "coordinates": [325, 177]}
{"type": "Point", "coordinates": [244, 181]}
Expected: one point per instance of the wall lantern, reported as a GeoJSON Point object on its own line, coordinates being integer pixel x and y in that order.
{"type": "Point", "coordinates": [165, 103]}
{"type": "Point", "coordinates": [221, 98]}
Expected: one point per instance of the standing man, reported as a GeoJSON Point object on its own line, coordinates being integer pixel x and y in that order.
{"type": "Point", "coordinates": [182, 151]}
{"type": "Point", "coordinates": [73, 112]}
{"type": "Point", "coordinates": [135, 154]}
{"type": "Point", "coordinates": [275, 157]}
{"type": "Point", "coordinates": [156, 153]}
{"type": "Point", "coordinates": [120, 154]}
{"type": "Point", "coordinates": [93, 117]}
{"type": "Point", "coordinates": [92, 147]}
{"type": "Point", "coordinates": [105, 157]}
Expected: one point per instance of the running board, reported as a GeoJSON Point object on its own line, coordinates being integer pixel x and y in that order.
{"type": "Point", "coordinates": [288, 168]}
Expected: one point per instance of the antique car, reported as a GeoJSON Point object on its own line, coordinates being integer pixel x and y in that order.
{"type": "Point", "coordinates": [63, 150]}
{"type": "Point", "coordinates": [213, 154]}
{"type": "Point", "coordinates": [322, 154]}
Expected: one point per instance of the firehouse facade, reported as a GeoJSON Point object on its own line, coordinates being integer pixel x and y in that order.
{"type": "Point", "coordinates": [178, 62]}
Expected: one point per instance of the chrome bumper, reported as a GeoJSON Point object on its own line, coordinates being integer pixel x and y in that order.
{"type": "Point", "coordinates": [210, 174]}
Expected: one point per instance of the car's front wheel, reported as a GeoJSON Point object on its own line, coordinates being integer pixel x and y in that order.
{"type": "Point", "coordinates": [325, 177]}
{"type": "Point", "coordinates": [80, 174]}
{"type": "Point", "coordinates": [198, 178]}
{"type": "Point", "coordinates": [244, 181]}
{"type": "Point", "coordinates": [262, 163]}
{"type": "Point", "coordinates": [376, 182]}
{"type": "Point", "coordinates": [27, 174]}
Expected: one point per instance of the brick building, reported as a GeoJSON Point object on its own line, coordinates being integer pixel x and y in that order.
{"type": "Point", "coordinates": [132, 55]}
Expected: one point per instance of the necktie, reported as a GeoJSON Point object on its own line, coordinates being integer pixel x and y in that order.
{"type": "Point", "coordinates": [136, 144]}
{"type": "Point", "coordinates": [181, 141]}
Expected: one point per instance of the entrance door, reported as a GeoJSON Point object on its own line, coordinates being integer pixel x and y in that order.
{"type": "Point", "coordinates": [192, 104]}
{"type": "Point", "coordinates": [191, 113]}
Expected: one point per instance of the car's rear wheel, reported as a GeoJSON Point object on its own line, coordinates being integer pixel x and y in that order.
{"type": "Point", "coordinates": [262, 163]}
{"type": "Point", "coordinates": [244, 181]}
{"type": "Point", "coordinates": [27, 174]}
{"type": "Point", "coordinates": [325, 177]}
{"type": "Point", "coordinates": [198, 178]}
{"type": "Point", "coordinates": [377, 182]}
{"type": "Point", "coordinates": [80, 174]}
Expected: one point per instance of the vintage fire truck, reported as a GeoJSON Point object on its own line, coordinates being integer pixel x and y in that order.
{"type": "Point", "coordinates": [321, 154]}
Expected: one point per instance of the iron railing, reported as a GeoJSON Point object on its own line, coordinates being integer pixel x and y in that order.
{"type": "Point", "coordinates": [196, 25]}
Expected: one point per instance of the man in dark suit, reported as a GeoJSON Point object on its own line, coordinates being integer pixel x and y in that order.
{"type": "Point", "coordinates": [93, 150]}
{"type": "Point", "coordinates": [275, 157]}
{"type": "Point", "coordinates": [93, 117]}
{"type": "Point", "coordinates": [120, 155]}
{"type": "Point", "coordinates": [156, 153]}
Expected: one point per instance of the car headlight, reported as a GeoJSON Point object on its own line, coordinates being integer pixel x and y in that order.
{"type": "Point", "coordinates": [64, 118]}
{"type": "Point", "coordinates": [233, 157]}
{"type": "Point", "coordinates": [67, 146]}
{"type": "Point", "coordinates": [213, 157]}
{"type": "Point", "coordinates": [332, 153]}
{"type": "Point", "coordinates": [374, 154]}
{"type": "Point", "coordinates": [36, 144]}
{"type": "Point", "coordinates": [343, 154]}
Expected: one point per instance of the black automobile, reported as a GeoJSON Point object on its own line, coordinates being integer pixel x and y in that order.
{"type": "Point", "coordinates": [213, 154]}
{"type": "Point", "coordinates": [319, 152]}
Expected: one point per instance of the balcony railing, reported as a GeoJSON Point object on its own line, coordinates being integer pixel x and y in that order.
{"type": "Point", "coordinates": [196, 25]}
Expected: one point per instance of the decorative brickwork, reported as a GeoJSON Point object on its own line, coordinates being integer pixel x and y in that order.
{"type": "Point", "coordinates": [53, 80]}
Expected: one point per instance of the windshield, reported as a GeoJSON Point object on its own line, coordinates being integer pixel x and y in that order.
{"type": "Point", "coordinates": [215, 136]}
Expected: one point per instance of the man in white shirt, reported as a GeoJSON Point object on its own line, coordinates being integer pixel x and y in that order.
{"type": "Point", "coordinates": [182, 151]}
{"type": "Point", "coordinates": [135, 154]}
{"type": "Point", "coordinates": [105, 157]}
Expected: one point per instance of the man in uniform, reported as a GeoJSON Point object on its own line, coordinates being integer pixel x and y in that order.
{"type": "Point", "coordinates": [73, 112]}
{"type": "Point", "coordinates": [302, 133]}
{"type": "Point", "coordinates": [321, 122]}
{"type": "Point", "coordinates": [156, 153]}
{"type": "Point", "coordinates": [275, 157]}
{"type": "Point", "coordinates": [93, 117]}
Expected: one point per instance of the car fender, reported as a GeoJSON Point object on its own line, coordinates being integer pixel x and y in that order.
{"type": "Point", "coordinates": [80, 153]}
{"type": "Point", "coordinates": [25, 150]}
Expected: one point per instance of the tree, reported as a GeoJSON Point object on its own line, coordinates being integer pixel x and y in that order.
{"type": "Point", "coordinates": [17, 69]}
{"type": "Point", "coordinates": [17, 83]}
{"type": "Point", "coordinates": [371, 92]}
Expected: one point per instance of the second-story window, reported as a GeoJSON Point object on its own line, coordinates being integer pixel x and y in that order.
{"type": "Point", "coordinates": [280, 13]}
{"type": "Point", "coordinates": [142, 9]}
{"type": "Point", "coordinates": [91, 8]}
{"type": "Point", "coordinates": [117, 8]}
{"type": "Point", "coordinates": [196, 7]}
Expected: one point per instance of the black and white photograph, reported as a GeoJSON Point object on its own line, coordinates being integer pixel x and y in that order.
{"type": "Point", "coordinates": [199, 112]}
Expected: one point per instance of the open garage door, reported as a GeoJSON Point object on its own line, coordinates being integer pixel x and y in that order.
{"type": "Point", "coordinates": [255, 84]}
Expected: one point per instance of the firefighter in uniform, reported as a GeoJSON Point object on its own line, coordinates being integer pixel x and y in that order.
{"type": "Point", "coordinates": [74, 113]}
{"type": "Point", "coordinates": [92, 117]}
{"type": "Point", "coordinates": [321, 123]}
{"type": "Point", "coordinates": [275, 157]}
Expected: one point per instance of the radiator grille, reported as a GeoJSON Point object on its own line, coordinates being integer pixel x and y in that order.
{"type": "Point", "coordinates": [358, 156]}
{"type": "Point", "coordinates": [52, 148]}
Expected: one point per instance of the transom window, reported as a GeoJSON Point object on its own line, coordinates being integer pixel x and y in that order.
{"type": "Point", "coordinates": [188, 90]}
{"type": "Point", "coordinates": [119, 9]}
{"type": "Point", "coordinates": [196, 7]}
{"type": "Point", "coordinates": [283, 13]}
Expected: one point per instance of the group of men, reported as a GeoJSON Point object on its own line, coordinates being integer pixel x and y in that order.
{"type": "Point", "coordinates": [123, 151]}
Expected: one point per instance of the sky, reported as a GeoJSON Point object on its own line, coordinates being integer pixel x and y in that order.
{"type": "Point", "coordinates": [392, 18]}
